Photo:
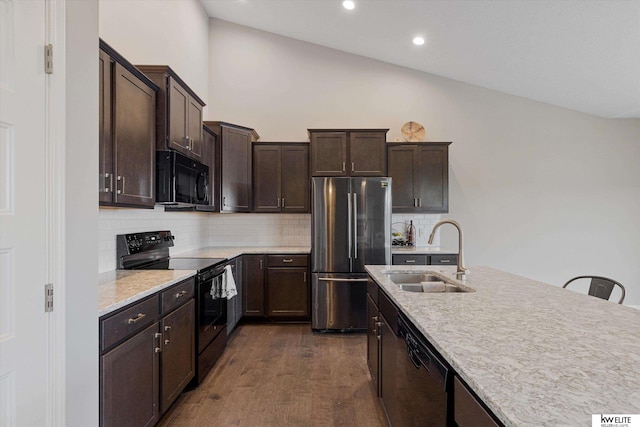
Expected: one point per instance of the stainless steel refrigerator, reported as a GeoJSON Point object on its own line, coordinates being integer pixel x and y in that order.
{"type": "Point", "coordinates": [351, 227]}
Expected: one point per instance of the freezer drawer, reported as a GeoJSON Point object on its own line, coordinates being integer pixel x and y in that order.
{"type": "Point", "coordinates": [339, 302]}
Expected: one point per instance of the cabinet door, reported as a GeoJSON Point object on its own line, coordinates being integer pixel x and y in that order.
{"type": "Point", "coordinates": [267, 169]}
{"type": "Point", "coordinates": [129, 382]}
{"type": "Point", "coordinates": [178, 111]}
{"type": "Point", "coordinates": [368, 153]}
{"type": "Point", "coordinates": [329, 154]}
{"type": "Point", "coordinates": [236, 268]}
{"type": "Point", "coordinates": [253, 281]}
{"type": "Point", "coordinates": [403, 173]}
{"type": "Point", "coordinates": [295, 194]}
{"type": "Point", "coordinates": [105, 143]}
{"type": "Point", "coordinates": [236, 170]}
{"type": "Point", "coordinates": [194, 129]}
{"type": "Point", "coordinates": [433, 180]}
{"type": "Point", "coordinates": [209, 158]}
{"type": "Point", "coordinates": [288, 294]}
{"type": "Point", "coordinates": [178, 355]}
{"type": "Point", "coordinates": [373, 350]}
{"type": "Point", "coordinates": [134, 140]}
{"type": "Point", "coordinates": [467, 410]}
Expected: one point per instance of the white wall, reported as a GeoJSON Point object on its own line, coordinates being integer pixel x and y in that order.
{"type": "Point", "coordinates": [81, 213]}
{"type": "Point", "coordinates": [540, 191]}
{"type": "Point", "coordinates": [160, 32]}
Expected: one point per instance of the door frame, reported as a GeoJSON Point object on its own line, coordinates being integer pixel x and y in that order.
{"type": "Point", "coordinates": [55, 136]}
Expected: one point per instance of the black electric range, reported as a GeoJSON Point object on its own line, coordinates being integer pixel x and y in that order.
{"type": "Point", "coordinates": [150, 251]}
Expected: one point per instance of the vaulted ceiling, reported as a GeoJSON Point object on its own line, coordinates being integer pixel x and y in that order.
{"type": "Point", "coordinates": [579, 54]}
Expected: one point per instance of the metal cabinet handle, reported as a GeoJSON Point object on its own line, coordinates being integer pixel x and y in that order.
{"type": "Point", "coordinates": [415, 203]}
{"type": "Point", "coordinates": [278, 202]}
{"type": "Point", "coordinates": [158, 336]}
{"type": "Point", "coordinates": [353, 167]}
{"type": "Point", "coordinates": [344, 166]}
{"type": "Point", "coordinates": [186, 142]}
{"type": "Point", "coordinates": [167, 330]}
{"type": "Point", "coordinates": [409, 261]}
{"type": "Point", "coordinates": [139, 317]}
{"type": "Point", "coordinates": [119, 179]}
{"type": "Point", "coordinates": [260, 264]}
{"type": "Point", "coordinates": [287, 260]}
{"type": "Point", "coordinates": [224, 201]}
{"type": "Point", "coordinates": [283, 202]}
{"type": "Point", "coordinates": [419, 202]}
{"type": "Point", "coordinates": [304, 277]}
{"type": "Point", "coordinates": [181, 294]}
{"type": "Point", "coordinates": [108, 186]}
{"type": "Point", "coordinates": [444, 261]}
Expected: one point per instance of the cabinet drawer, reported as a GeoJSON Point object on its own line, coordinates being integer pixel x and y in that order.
{"type": "Point", "coordinates": [388, 310]}
{"type": "Point", "coordinates": [177, 295]}
{"type": "Point", "coordinates": [409, 259]}
{"type": "Point", "coordinates": [120, 326]}
{"type": "Point", "coordinates": [287, 260]}
{"type": "Point", "coordinates": [444, 259]}
{"type": "Point", "coordinates": [467, 410]}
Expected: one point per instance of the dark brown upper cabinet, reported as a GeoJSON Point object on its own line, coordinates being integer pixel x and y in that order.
{"type": "Point", "coordinates": [348, 152]}
{"type": "Point", "coordinates": [420, 177]}
{"type": "Point", "coordinates": [281, 177]}
{"type": "Point", "coordinates": [127, 132]}
{"type": "Point", "coordinates": [211, 158]}
{"type": "Point", "coordinates": [178, 113]}
{"type": "Point", "coordinates": [235, 154]}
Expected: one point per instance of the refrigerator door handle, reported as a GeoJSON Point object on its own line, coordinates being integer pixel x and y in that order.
{"type": "Point", "coordinates": [329, 279]}
{"type": "Point", "coordinates": [349, 216]}
{"type": "Point", "coordinates": [355, 225]}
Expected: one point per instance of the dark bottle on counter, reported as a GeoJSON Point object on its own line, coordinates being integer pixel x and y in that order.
{"type": "Point", "coordinates": [411, 234]}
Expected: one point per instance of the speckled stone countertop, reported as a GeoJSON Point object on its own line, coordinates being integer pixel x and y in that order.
{"type": "Point", "coordinates": [536, 354]}
{"type": "Point", "coordinates": [422, 250]}
{"type": "Point", "coordinates": [232, 252]}
{"type": "Point", "coordinates": [119, 288]}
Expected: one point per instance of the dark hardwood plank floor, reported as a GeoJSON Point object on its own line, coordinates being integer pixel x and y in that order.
{"type": "Point", "coordinates": [284, 375]}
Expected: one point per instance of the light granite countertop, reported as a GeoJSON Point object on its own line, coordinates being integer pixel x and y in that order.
{"type": "Point", "coordinates": [233, 251]}
{"type": "Point", "coordinates": [119, 288]}
{"type": "Point", "coordinates": [536, 354]}
{"type": "Point", "coordinates": [422, 250]}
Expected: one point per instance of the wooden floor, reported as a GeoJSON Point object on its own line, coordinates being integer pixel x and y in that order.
{"type": "Point", "coordinates": [284, 375]}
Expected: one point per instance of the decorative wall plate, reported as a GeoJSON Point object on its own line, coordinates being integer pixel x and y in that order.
{"type": "Point", "coordinates": [413, 132]}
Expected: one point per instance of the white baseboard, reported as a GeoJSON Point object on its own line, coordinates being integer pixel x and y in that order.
{"type": "Point", "coordinates": [637, 307]}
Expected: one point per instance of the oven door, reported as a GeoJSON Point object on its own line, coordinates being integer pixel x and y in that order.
{"type": "Point", "coordinates": [212, 310]}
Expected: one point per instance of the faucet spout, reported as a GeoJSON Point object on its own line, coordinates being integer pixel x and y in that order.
{"type": "Point", "coordinates": [462, 270]}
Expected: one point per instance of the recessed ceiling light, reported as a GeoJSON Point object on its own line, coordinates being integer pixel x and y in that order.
{"type": "Point", "coordinates": [348, 4]}
{"type": "Point", "coordinates": [418, 41]}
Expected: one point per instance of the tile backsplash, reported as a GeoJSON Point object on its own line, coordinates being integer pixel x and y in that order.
{"type": "Point", "coordinates": [195, 230]}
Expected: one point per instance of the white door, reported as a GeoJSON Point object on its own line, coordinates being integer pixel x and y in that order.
{"type": "Point", "coordinates": [23, 215]}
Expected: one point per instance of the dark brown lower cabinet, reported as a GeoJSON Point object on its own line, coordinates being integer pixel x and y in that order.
{"type": "Point", "coordinates": [178, 354]}
{"type": "Point", "coordinates": [253, 285]}
{"type": "Point", "coordinates": [373, 350]}
{"type": "Point", "coordinates": [288, 292]}
{"type": "Point", "coordinates": [147, 357]}
{"type": "Point", "coordinates": [468, 411]}
{"type": "Point", "coordinates": [130, 377]}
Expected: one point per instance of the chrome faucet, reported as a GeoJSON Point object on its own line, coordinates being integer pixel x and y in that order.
{"type": "Point", "coordinates": [462, 270]}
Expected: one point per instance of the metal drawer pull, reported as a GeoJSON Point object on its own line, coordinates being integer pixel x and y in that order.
{"type": "Point", "coordinates": [344, 166]}
{"type": "Point", "coordinates": [137, 318]}
{"type": "Point", "coordinates": [304, 277]}
{"type": "Point", "coordinates": [409, 260]}
{"type": "Point", "coordinates": [167, 329]}
{"type": "Point", "coordinates": [181, 294]}
{"type": "Point", "coordinates": [287, 260]}
{"type": "Point", "coordinates": [157, 335]}
{"type": "Point", "coordinates": [353, 166]}
{"type": "Point", "coordinates": [278, 202]}
{"type": "Point", "coordinates": [444, 261]}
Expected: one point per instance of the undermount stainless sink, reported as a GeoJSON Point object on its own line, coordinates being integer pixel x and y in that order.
{"type": "Point", "coordinates": [426, 282]}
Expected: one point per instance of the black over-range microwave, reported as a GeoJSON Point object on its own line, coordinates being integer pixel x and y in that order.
{"type": "Point", "coordinates": [181, 180]}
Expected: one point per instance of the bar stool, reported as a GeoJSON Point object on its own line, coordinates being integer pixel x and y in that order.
{"type": "Point", "coordinates": [600, 287]}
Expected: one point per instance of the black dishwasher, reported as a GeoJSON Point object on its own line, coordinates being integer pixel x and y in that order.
{"type": "Point", "coordinates": [422, 382]}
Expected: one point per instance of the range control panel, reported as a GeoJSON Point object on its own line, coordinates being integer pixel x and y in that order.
{"type": "Point", "coordinates": [134, 243]}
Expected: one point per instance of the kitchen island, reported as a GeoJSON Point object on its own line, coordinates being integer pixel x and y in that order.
{"type": "Point", "coordinates": [535, 354]}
